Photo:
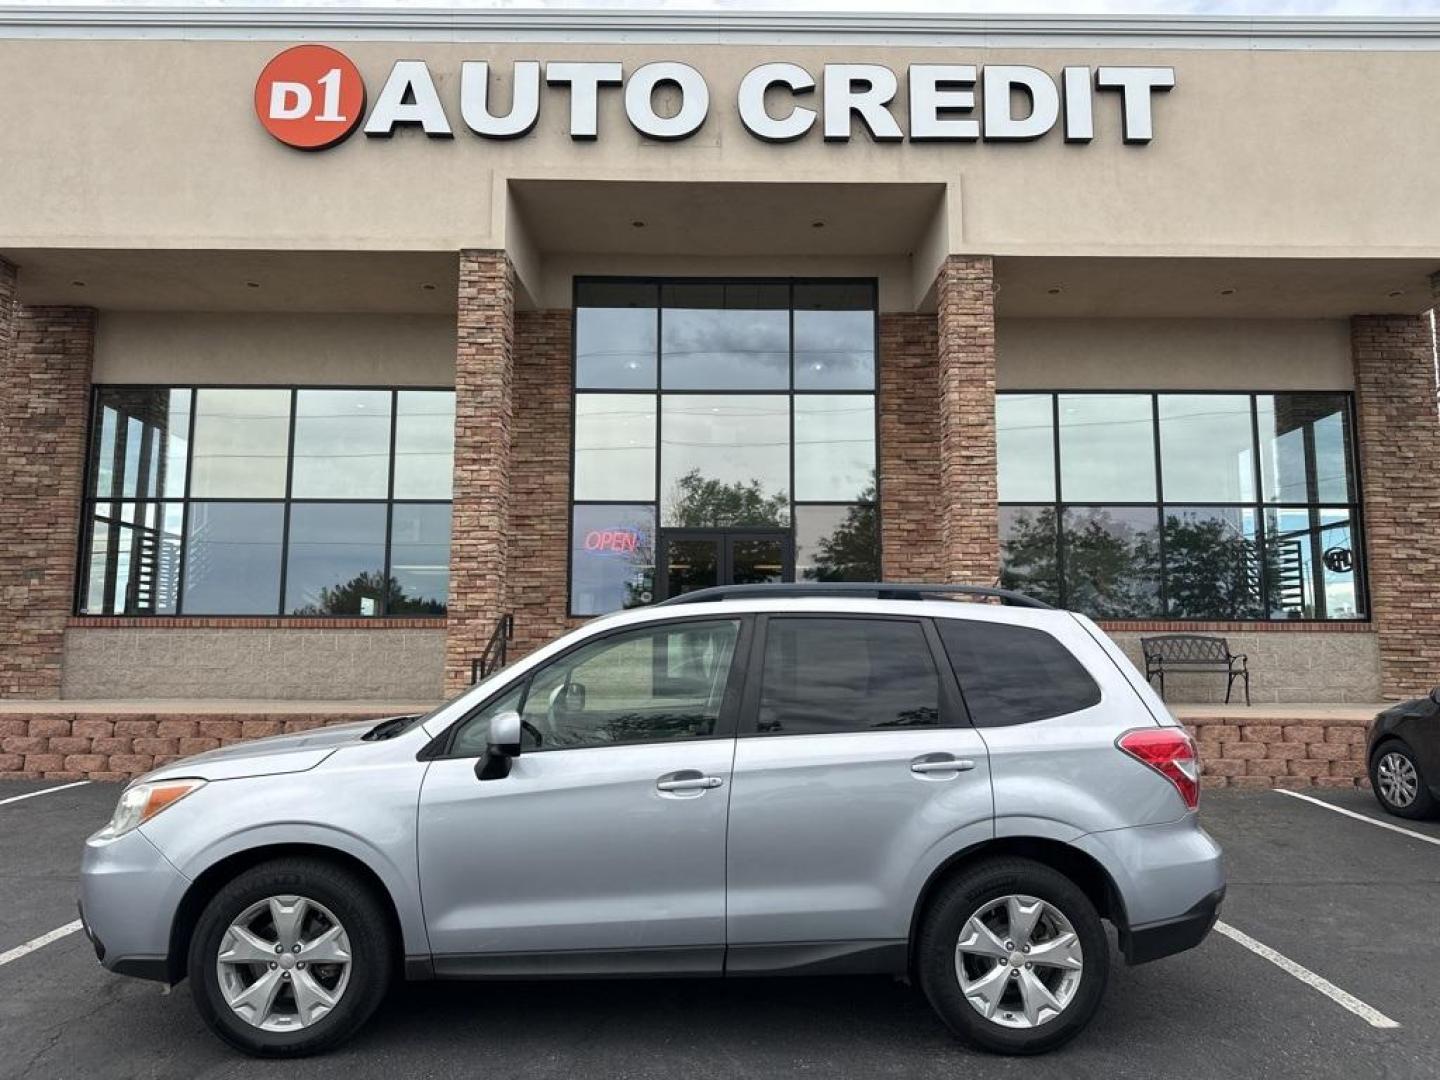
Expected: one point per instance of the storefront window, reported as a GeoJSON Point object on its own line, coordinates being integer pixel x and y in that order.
{"type": "Point", "coordinates": [1248, 512]}
{"type": "Point", "coordinates": [1107, 447]}
{"type": "Point", "coordinates": [617, 328]}
{"type": "Point", "coordinates": [299, 501]}
{"type": "Point", "coordinates": [724, 336]}
{"type": "Point", "coordinates": [612, 557]}
{"type": "Point", "coordinates": [714, 406]}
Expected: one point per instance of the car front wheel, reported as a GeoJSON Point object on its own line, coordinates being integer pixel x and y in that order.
{"type": "Point", "coordinates": [1398, 784]}
{"type": "Point", "coordinates": [290, 958]}
{"type": "Point", "coordinates": [1013, 957]}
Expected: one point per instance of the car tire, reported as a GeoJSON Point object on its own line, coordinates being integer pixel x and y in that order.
{"type": "Point", "coordinates": [279, 1008]}
{"type": "Point", "coordinates": [1394, 773]}
{"type": "Point", "coordinates": [950, 947]}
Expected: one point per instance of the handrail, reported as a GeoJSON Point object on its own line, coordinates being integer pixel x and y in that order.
{"type": "Point", "coordinates": [876, 590]}
{"type": "Point", "coordinates": [493, 658]}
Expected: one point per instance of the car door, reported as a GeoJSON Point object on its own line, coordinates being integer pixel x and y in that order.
{"type": "Point", "coordinates": [603, 849]}
{"type": "Point", "coordinates": [856, 774]}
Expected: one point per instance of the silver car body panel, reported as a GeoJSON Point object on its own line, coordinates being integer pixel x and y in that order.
{"type": "Point", "coordinates": [832, 837]}
{"type": "Point", "coordinates": [576, 850]}
{"type": "Point", "coordinates": [360, 802]}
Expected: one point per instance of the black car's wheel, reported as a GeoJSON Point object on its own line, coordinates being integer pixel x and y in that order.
{"type": "Point", "coordinates": [1398, 783]}
{"type": "Point", "coordinates": [290, 958]}
{"type": "Point", "coordinates": [1013, 957]}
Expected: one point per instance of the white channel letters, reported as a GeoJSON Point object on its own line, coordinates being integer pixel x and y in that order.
{"type": "Point", "coordinates": [943, 102]}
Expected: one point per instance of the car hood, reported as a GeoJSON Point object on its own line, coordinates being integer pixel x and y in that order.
{"type": "Point", "coordinates": [296, 752]}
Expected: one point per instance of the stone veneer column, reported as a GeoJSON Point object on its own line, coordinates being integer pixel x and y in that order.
{"type": "Point", "coordinates": [540, 479]}
{"type": "Point", "coordinates": [479, 531]}
{"type": "Point", "coordinates": [1399, 451]}
{"type": "Point", "coordinates": [45, 360]}
{"type": "Point", "coordinates": [966, 503]}
{"type": "Point", "coordinates": [909, 448]}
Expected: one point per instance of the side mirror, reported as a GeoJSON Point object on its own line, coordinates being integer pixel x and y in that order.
{"type": "Point", "coordinates": [503, 745]}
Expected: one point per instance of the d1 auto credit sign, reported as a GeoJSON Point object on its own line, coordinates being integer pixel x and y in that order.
{"type": "Point", "coordinates": [310, 97]}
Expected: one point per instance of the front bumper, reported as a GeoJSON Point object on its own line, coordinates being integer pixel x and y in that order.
{"type": "Point", "coordinates": [129, 894]}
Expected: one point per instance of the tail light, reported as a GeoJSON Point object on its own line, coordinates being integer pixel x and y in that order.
{"type": "Point", "coordinates": [1171, 753]}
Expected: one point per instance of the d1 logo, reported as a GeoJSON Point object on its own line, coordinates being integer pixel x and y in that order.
{"type": "Point", "coordinates": [310, 97]}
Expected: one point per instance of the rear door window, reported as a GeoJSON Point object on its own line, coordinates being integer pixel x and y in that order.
{"type": "Point", "coordinates": [1014, 674]}
{"type": "Point", "coordinates": [829, 676]}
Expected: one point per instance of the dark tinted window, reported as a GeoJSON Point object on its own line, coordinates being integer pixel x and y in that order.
{"type": "Point", "coordinates": [1013, 674]}
{"type": "Point", "coordinates": [839, 675]}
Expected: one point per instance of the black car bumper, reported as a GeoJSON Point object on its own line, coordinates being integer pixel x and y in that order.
{"type": "Point", "coordinates": [1141, 944]}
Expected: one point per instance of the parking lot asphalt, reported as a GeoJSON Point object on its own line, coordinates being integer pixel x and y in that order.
{"type": "Point", "coordinates": [1355, 904]}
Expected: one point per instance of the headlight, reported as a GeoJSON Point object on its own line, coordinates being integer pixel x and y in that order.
{"type": "Point", "coordinates": [141, 802]}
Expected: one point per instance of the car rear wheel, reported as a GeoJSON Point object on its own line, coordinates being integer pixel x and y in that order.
{"type": "Point", "coordinates": [290, 958]}
{"type": "Point", "coordinates": [1013, 957]}
{"type": "Point", "coordinates": [1398, 784]}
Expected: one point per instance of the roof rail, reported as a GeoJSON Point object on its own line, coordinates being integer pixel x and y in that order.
{"type": "Point", "coordinates": [876, 590]}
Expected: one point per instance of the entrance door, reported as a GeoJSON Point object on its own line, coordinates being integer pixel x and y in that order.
{"type": "Point", "coordinates": [693, 559]}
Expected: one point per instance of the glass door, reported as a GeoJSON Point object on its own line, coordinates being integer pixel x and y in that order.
{"type": "Point", "coordinates": [691, 559]}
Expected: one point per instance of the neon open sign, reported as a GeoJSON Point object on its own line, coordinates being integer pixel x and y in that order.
{"type": "Point", "coordinates": [619, 541]}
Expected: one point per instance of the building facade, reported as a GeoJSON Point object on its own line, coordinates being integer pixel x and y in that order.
{"type": "Point", "coordinates": [327, 341]}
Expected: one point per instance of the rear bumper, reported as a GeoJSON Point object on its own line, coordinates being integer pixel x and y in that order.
{"type": "Point", "coordinates": [1169, 881]}
{"type": "Point", "coordinates": [1141, 944]}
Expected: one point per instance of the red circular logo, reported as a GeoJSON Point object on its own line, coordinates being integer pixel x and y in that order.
{"type": "Point", "coordinates": [310, 97]}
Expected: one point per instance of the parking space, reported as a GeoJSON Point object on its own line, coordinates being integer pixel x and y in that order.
{"type": "Point", "coordinates": [1353, 903]}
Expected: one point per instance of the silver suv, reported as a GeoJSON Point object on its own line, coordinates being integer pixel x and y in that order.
{"type": "Point", "coordinates": [743, 781]}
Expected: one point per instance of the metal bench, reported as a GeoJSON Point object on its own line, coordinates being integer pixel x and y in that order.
{"type": "Point", "coordinates": [1194, 652]}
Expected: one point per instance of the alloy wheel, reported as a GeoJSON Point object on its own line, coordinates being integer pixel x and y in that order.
{"type": "Point", "coordinates": [284, 963]}
{"type": "Point", "coordinates": [1019, 961]}
{"type": "Point", "coordinates": [1398, 781]}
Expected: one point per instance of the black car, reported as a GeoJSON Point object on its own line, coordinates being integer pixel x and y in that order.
{"type": "Point", "coordinates": [1403, 749]}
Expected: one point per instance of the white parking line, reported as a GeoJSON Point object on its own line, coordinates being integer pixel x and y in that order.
{"type": "Point", "coordinates": [1362, 817]}
{"type": "Point", "coordinates": [39, 942]}
{"type": "Point", "coordinates": [43, 791]}
{"type": "Point", "coordinates": [1373, 1017]}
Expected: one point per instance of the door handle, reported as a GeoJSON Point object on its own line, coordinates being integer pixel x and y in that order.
{"type": "Point", "coordinates": [687, 780]}
{"type": "Point", "coordinates": [946, 763]}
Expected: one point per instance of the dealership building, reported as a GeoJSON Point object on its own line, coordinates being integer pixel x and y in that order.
{"type": "Point", "coordinates": [335, 343]}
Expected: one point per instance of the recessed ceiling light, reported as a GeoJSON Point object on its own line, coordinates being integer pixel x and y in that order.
{"type": "Point", "coordinates": [78, 283]}
{"type": "Point", "coordinates": [428, 286]}
{"type": "Point", "coordinates": [1054, 290]}
{"type": "Point", "coordinates": [637, 224]}
{"type": "Point", "coordinates": [252, 284]}
{"type": "Point", "coordinates": [817, 224]}
{"type": "Point", "coordinates": [1395, 292]}
{"type": "Point", "coordinates": [1228, 291]}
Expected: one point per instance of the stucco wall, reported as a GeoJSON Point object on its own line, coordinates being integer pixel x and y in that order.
{"type": "Point", "coordinates": [275, 347]}
{"type": "Point", "coordinates": [1239, 164]}
{"type": "Point", "coordinates": [1285, 666]}
{"type": "Point", "coordinates": [253, 663]}
{"type": "Point", "coordinates": [1173, 354]}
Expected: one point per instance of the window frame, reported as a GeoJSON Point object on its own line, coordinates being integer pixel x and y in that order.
{"type": "Point", "coordinates": [89, 501]}
{"type": "Point", "coordinates": [657, 393]}
{"type": "Point", "coordinates": [442, 746]}
{"type": "Point", "coordinates": [1258, 505]}
{"type": "Point", "coordinates": [953, 712]}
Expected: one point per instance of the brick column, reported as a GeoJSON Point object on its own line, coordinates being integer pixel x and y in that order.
{"type": "Point", "coordinates": [1399, 450]}
{"type": "Point", "coordinates": [484, 374]}
{"type": "Point", "coordinates": [540, 479]}
{"type": "Point", "coordinates": [909, 448]}
{"type": "Point", "coordinates": [969, 520]}
{"type": "Point", "coordinates": [45, 359]}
